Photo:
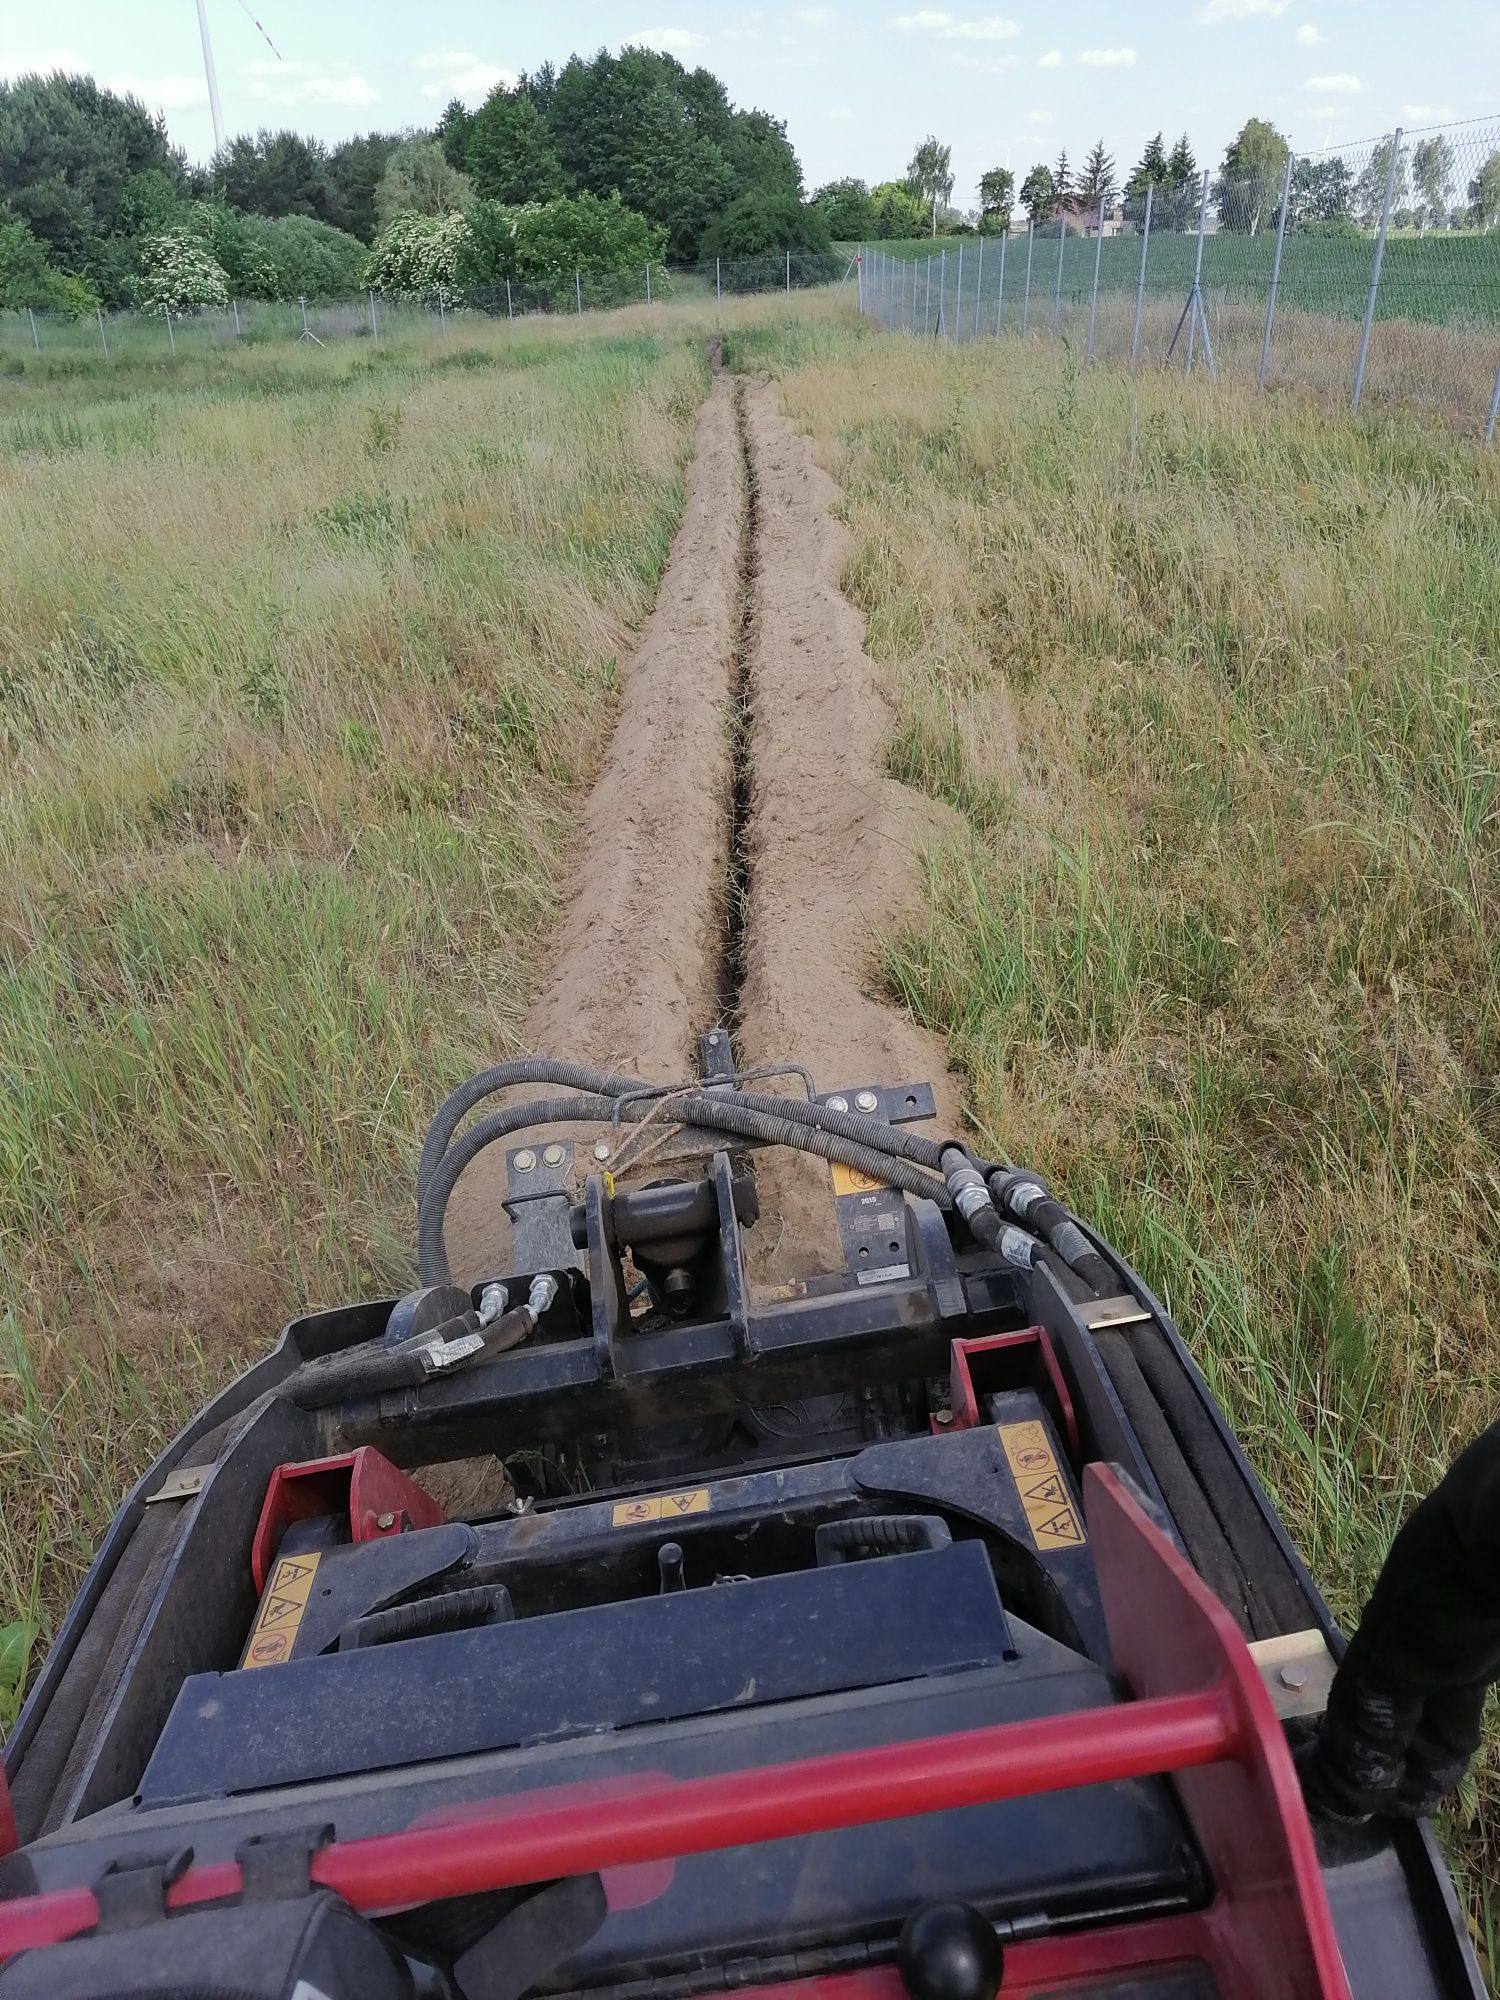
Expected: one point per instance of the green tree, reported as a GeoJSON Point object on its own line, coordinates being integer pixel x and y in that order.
{"type": "Point", "coordinates": [1149, 171]}
{"type": "Point", "coordinates": [417, 257]}
{"type": "Point", "coordinates": [1251, 176]}
{"type": "Point", "coordinates": [1322, 191]}
{"type": "Point", "coordinates": [997, 197]}
{"type": "Point", "coordinates": [419, 181]}
{"type": "Point", "coordinates": [929, 174]}
{"type": "Point", "coordinates": [356, 168]}
{"type": "Point", "coordinates": [27, 279]}
{"type": "Point", "coordinates": [68, 151]}
{"type": "Point", "coordinates": [1038, 195]}
{"type": "Point", "coordinates": [1096, 184]}
{"type": "Point", "coordinates": [276, 173]}
{"type": "Point", "coordinates": [759, 153]}
{"type": "Point", "coordinates": [1062, 182]}
{"type": "Point", "coordinates": [1432, 178]}
{"type": "Point", "coordinates": [848, 210]}
{"type": "Point", "coordinates": [1484, 193]}
{"type": "Point", "coordinates": [453, 130]}
{"type": "Point", "coordinates": [311, 258]}
{"type": "Point", "coordinates": [1182, 187]}
{"type": "Point", "coordinates": [180, 275]}
{"type": "Point", "coordinates": [898, 213]}
{"type": "Point", "coordinates": [1369, 189]}
{"type": "Point", "coordinates": [510, 153]}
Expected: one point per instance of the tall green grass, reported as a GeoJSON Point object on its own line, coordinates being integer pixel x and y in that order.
{"type": "Point", "coordinates": [306, 653]}
{"type": "Point", "coordinates": [1213, 688]}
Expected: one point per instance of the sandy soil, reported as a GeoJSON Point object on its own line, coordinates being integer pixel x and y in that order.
{"type": "Point", "coordinates": [831, 843]}
{"type": "Point", "coordinates": [834, 842]}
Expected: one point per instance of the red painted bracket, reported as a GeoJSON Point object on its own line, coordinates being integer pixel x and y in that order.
{"type": "Point", "coordinates": [377, 1496]}
{"type": "Point", "coordinates": [997, 1361]}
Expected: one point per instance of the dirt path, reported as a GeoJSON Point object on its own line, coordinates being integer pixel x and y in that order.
{"type": "Point", "coordinates": [743, 851]}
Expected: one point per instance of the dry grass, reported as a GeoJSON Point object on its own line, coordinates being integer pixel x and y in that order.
{"type": "Point", "coordinates": [1216, 685]}
{"type": "Point", "coordinates": [305, 653]}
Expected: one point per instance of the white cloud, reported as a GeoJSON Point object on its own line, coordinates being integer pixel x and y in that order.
{"type": "Point", "coordinates": [936, 21]}
{"type": "Point", "coordinates": [1340, 84]}
{"type": "Point", "coordinates": [816, 17]}
{"type": "Point", "coordinates": [1309, 36]}
{"type": "Point", "coordinates": [984, 65]}
{"type": "Point", "coordinates": [1239, 10]}
{"type": "Point", "coordinates": [676, 40]}
{"type": "Point", "coordinates": [462, 74]}
{"type": "Point", "coordinates": [163, 93]}
{"type": "Point", "coordinates": [1107, 58]}
{"type": "Point", "coordinates": [308, 83]}
{"type": "Point", "coordinates": [1411, 113]}
{"type": "Point", "coordinates": [1039, 118]}
{"type": "Point", "coordinates": [1051, 60]}
{"type": "Point", "coordinates": [43, 63]}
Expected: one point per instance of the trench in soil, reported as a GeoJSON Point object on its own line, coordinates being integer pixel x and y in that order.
{"type": "Point", "coordinates": [730, 979]}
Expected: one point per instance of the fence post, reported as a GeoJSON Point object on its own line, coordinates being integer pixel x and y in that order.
{"type": "Point", "coordinates": [927, 300]}
{"type": "Point", "coordinates": [374, 323]}
{"type": "Point", "coordinates": [578, 289]}
{"type": "Point", "coordinates": [34, 341]}
{"type": "Point", "coordinates": [788, 277]}
{"type": "Point", "coordinates": [942, 318]}
{"type": "Point", "coordinates": [1140, 283]}
{"type": "Point", "coordinates": [510, 311]}
{"type": "Point", "coordinates": [1088, 353]}
{"type": "Point", "coordinates": [859, 279]}
{"type": "Point", "coordinates": [718, 289]}
{"type": "Point", "coordinates": [1062, 244]}
{"type": "Point", "coordinates": [442, 316]}
{"type": "Point", "coordinates": [958, 298]}
{"type": "Point", "coordinates": [102, 341]}
{"type": "Point", "coordinates": [1286, 202]}
{"type": "Point", "coordinates": [1026, 295]}
{"type": "Point", "coordinates": [234, 307]}
{"type": "Point", "coordinates": [1489, 429]}
{"type": "Point", "coordinates": [1000, 288]}
{"type": "Point", "coordinates": [648, 284]}
{"type": "Point", "coordinates": [1369, 326]}
{"type": "Point", "coordinates": [171, 337]}
{"type": "Point", "coordinates": [1192, 339]}
{"type": "Point", "coordinates": [978, 287]}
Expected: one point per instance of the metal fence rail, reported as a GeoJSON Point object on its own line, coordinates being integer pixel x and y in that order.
{"type": "Point", "coordinates": [1371, 272]}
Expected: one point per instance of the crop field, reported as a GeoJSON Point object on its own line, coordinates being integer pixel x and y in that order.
{"type": "Point", "coordinates": [313, 656]}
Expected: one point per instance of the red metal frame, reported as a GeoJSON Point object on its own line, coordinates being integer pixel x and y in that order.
{"type": "Point", "coordinates": [965, 1396]}
{"type": "Point", "coordinates": [1202, 1712]}
{"type": "Point", "coordinates": [362, 1483]}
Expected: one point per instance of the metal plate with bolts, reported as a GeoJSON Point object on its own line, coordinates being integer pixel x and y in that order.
{"type": "Point", "coordinates": [182, 1484]}
{"type": "Point", "coordinates": [892, 1104]}
{"type": "Point", "coordinates": [1298, 1669]}
{"type": "Point", "coordinates": [873, 1218]}
{"type": "Point", "coordinates": [538, 1194]}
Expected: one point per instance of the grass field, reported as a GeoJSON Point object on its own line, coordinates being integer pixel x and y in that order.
{"type": "Point", "coordinates": [305, 652]}
{"type": "Point", "coordinates": [1452, 279]}
{"type": "Point", "coordinates": [1213, 689]}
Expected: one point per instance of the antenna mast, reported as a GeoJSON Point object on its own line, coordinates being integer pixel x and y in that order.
{"type": "Point", "coordinates": [213, 81]}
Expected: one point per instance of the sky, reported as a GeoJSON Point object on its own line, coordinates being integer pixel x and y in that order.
{"type": "Point", "coordinates": [858, 85]}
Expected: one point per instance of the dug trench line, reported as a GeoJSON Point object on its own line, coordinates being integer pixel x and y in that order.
{"type": "Point", "coordinates": [742, 852]}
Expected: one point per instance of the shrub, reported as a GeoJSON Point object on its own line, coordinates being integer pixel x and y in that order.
{"type": "Point", "coordinates": [541, 244]}
{"type": "Point", "coordinates": [27, 279]}
{"type": "Point", "coordinates": [416, 257]}
{"type": "Point", "coordinates": [180, 275]}
{"type": "Point", "coordinates": [754, 235]}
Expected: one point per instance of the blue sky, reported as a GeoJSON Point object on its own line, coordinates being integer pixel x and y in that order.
{"type": "Point", "coordinates": [858, 85]}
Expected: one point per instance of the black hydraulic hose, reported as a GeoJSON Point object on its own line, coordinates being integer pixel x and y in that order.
{"type": "Point", "coordinates": [451, 1611]}
{"type": "Point", "coordinates": [501, 1076]}
{"type": "Point", "coordinates": [1024, 1196]}
{"type": "Point", "coordinates": [720, 1111]}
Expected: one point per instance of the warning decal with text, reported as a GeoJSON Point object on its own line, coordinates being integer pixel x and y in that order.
{"type": "Point", "coordinates": [280, 1615]}
{"type": "Point", "coordinates": [1054, 1521]}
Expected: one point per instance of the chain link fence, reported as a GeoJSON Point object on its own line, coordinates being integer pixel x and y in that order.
{"type": "Point", "coordinates": [1372, 272]}
{"type": "Point", "coordinates": [50, 338]}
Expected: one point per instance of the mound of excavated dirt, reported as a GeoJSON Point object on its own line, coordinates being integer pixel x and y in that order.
{"type": "Point", "coordinates": [713, 854]}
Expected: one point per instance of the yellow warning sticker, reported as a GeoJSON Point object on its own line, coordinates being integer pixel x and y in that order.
{"type": "Point", "coordinates": [659, 1507]}
{"type": "Point", "coordinates": [280, 1615]}
{"type": "Point", "coordinates": [1054, 1521]}
{"type": "Point", "coordinates": [849, 1180]}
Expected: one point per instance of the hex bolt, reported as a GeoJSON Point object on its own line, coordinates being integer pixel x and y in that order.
{"type": "Point", "coordinates": [601, 1150]}
{"type": "Point", "coordinates": [1294, 1678]}
{"type": "Point", "coordinates": [942, 1416]}
{"type": "Point", "coordinates": [866, 1101]}
{"type": "Point", "coordinates": [524, 1161]}
{"type": "Point", "coordinates": [838, 1104]}
{"type": "Point", "coordinates": [385, 1521]}
{"type": "Point", "coordinates": [713, 1040]}
{"type": "Point", "coordinates": [554, 1155]}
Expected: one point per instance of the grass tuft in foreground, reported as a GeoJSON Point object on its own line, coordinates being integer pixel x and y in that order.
{"type": "Point", "coordinates": [1213, 686]}
{"type": "Point", "coordinates": [306, 652]}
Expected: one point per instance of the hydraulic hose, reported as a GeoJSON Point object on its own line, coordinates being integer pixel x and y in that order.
{"type": "Point", "coordinates": [866, 1144]}
{"type": "Point", "coordinates": [1020, 1194]}
{"type": "Point", "coordinates": [501, 1076]}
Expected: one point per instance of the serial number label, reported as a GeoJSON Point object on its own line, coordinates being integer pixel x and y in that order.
{"type": "Point", "coordinates": [659, 1507]}
{"type": "Point", "coordinates": [1050, 1514]}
